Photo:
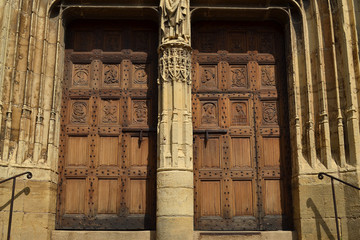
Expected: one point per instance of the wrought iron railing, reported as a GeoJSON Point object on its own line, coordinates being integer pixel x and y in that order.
{"type": "Point", "coordinates": [321, 176]}
{"type": "Point", "coordinates": [29, 175]}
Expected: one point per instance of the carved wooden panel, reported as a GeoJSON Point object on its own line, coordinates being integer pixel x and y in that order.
{"type": "Point", "coordinates": [208, 76]}
{"type": "Point", "coordinates": [107, 162]}
{"type": "Point", "coordinates": [79, 112]}
{"type": "Point", "coordinates": [209, 113]}
{"type": "Point", "coordinates": [241, 157]}
{"type": "Point", "coordinates": [268, 75]}
{"type": "Point", "coordinates": [81, 75]}
{"type": "Point", "coordinates": [239, 113]}
{"type": "Point", "coordinates": [140, 75]}
{"type": "Point", "coordinates": [111, 74]}
{"type": "Point", "coordinates": [269, 113]}
{"type": "Point", "coordinates": [238, 77]}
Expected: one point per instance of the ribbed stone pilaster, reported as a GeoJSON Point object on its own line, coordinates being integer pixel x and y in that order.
{"type": "Point", "coordinates": [175, 167]}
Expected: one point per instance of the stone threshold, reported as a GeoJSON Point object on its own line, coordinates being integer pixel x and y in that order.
{"type": "Point", "coordinates": [102, 235]}
{"type": "Point", "coordinates": [245, 235]}
{"type": "Point", "coordinates": [151, 235]}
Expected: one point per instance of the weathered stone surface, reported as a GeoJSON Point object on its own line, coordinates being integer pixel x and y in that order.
{"type": "Point", "coordinates": [176, 228]}
{"type": "Point", "coordinates": [175, 179]}
{"type": "Point", "coordinates": [175, 201]}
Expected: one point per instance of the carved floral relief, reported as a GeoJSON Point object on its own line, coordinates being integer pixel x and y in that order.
{"type": "Point", "coordinates": [269, 113]}
{"type": "Point", "coordinates": [140, 75]}
{"type": "Point", "coordinates": [110, 114]}
{"type": "Point", "coordinates": [79, 112]}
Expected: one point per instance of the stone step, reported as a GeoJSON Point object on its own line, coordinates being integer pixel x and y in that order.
{"type": "Point", "coordinates": [151, 235]}
{"type": "Point", "coordinates": [102, 235]}
{"type": "Point", "coordinates": [245, 235]}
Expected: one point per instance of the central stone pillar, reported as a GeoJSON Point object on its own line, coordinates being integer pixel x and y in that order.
{"type": "Point", "coordinates": [175, 162]}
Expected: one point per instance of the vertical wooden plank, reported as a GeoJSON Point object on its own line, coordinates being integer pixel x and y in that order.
{"type": "Point", "coordinates": [210, 198]}
{"type": "Point", "coordinates": [271, 151]}
{"type": "Point", "coordinates": [138, 196]}
{"type": "Point", "coordinates": [243, 197]}
{"type": "Point", "coordinates": [109, 151]}
{"type": "Point", "coordinates": [241, 152]}
{"type": "Point", "coordinates": [77, 151]}
{"type": "Point", "coordinates": [272, 197]}
{"type": "Point", "coordinates": [210, 153]}
{"type": "Point", "coordinates": [139, 151]}
{"type": "Point", "coordinates": [75, 196]}
{"type": "Point", "coordinates": [107, 197]}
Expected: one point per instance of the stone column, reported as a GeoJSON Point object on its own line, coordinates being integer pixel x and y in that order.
{"type": "Point", "coordinates": [175, 163]}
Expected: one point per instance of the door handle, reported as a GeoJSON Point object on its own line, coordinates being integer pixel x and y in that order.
{"type": "Point", "coordinates": [210, 131]}
{"type": "Point", "coordinates": [140, 131]}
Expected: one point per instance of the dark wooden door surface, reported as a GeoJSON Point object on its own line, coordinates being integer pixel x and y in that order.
{"type": "Point", "coordinates": [241, 141]}
{"type": "Point", "coordinates": [107, 161]}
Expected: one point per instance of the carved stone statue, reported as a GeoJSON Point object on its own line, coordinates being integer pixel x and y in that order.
{"type": "Point", "coordinates": [175, 20]}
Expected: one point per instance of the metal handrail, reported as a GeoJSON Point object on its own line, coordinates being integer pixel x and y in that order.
{"type": "Point", "coordinates": [29, 175]}
{"type": "Point", "coordinates": [321, 176]}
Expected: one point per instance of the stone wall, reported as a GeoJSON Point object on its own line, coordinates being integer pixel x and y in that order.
{"type": "Point", "coordinates": [324, 106]}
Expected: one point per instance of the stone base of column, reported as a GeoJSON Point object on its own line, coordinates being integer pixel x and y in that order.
{"type": "Point", "coordinates": [175, 205]}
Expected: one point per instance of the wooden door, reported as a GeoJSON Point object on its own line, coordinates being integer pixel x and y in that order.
{"type": "Point", "coordinates": [241, 143]}
{"type": "Point", "coordinates": [107, 163]}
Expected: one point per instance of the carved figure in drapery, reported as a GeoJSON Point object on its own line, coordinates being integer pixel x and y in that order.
{"type": "Point", "coordinates": [239, 77]}
{"type": "Point", "coordinates": [175, 21]}
{"type": "Point", "coordinates": [240, 116]}
{"type": "Point", "coordinates": [209, 113]}
{"type": "Point", "coordinates": [208, 78]}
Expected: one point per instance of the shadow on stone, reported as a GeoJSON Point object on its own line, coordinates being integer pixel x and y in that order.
{"type": "Point", "coordinates": [25, 190]}
{"type": "Point", "coordinates": [319, 221]}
